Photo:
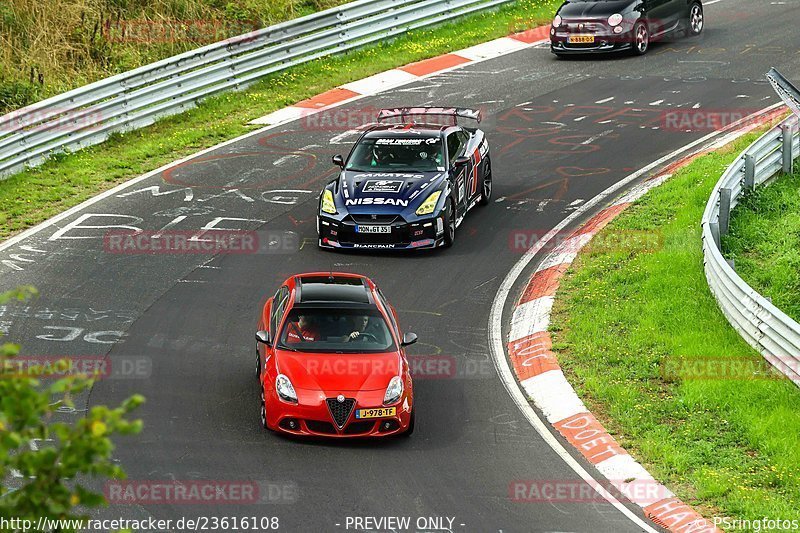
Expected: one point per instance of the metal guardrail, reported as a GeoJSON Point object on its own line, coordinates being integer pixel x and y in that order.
{"type": "Point", "coordinates": [763, 326]}
{"type": "Point", "coordinates": [134, 99]}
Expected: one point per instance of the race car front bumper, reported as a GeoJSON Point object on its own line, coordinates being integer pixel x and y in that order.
{"type": "Point", "coordinates": [401, 235]}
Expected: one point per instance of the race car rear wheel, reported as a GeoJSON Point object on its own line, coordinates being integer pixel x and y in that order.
{"type": "Point", "coordinates": [486, 193]}
{"type": "Point", "coordinates": [449, 224]}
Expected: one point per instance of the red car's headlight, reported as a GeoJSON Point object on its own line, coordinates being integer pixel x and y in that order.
{"type": "Point", "coordinates": [394, 390]}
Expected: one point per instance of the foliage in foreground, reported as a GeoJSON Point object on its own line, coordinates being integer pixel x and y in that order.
{"type": "Point", "coordinates": [49, 460]}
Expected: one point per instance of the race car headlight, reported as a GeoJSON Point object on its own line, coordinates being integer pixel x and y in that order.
{"type": "Point", "coordinates": [394, 390]}
{"type": "Point", "coordinates": [429, 204]}
{"type": "Point", "coordinates": [327, 202]}
{"type": "Point", "coordinates": [557, 21]}
{"type": "Point", "coordinates": [285, 389]}
{"type": "Point", "coordinates": [615, 19]}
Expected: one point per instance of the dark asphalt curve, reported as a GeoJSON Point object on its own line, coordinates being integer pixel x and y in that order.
{"type": "Point", "coordinates": [561, 132]}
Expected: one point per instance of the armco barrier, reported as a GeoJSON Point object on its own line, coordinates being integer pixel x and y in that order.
{"type": "Point", "coordinates": [761, 324]}
{"type": "Point", "coordinates": [87, 115]}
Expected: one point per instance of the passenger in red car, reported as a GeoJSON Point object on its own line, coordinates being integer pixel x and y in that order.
{"type": "Point", "coordinates": [302, 330]}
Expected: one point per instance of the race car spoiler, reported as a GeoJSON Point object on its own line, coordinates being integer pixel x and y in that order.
{"type": "Point", "coordinates": [403, 113]}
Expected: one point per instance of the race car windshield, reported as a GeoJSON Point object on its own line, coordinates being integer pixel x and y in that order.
{"type": "Point", "coordinates": [336, 331]}
{"type": "Point", "coordinates": [398, 154]}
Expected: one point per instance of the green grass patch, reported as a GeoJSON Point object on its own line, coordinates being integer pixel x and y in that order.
{"type": "Point", "coordinates": [36, 194]}
{"type": "Point", "coordinates": [622, 314]}
{"type": "Point", "coordinates": [764, 242]}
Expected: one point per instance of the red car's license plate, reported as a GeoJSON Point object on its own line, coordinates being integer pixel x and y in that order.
{"type": "Point", "coordinates": [378, 412]}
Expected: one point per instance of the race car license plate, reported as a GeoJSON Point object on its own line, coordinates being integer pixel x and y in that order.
{"type": "Point", "coordinates": [373, 229]}
{"type": "Point", "coordinates": [580, 39]}
{"type": "Point", "coordinates": [377, 412]}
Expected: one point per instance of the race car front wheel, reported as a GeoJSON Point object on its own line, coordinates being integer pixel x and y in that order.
{"type": "Point", "coordinates": [449, 224]}
{"type": "Point", "coordinates": [258, 366]}
{"type": "Point", "coordinates": [696, 21]}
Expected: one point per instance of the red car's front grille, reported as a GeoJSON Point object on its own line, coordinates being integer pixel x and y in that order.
{"type": "Point", "coordinates": [340, 411]}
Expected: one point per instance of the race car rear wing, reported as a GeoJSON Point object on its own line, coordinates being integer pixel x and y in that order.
{"type": "Point", "coordinates": [405, 115]}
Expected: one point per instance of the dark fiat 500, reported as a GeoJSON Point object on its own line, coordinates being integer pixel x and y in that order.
{"type": "Point", "coordinates": [596, 26]}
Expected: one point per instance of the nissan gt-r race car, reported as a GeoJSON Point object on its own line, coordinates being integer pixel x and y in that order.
{"type": "Point", "coordinates": [408, 182]}
{"type": "Point", "coordinates": [330, 360]}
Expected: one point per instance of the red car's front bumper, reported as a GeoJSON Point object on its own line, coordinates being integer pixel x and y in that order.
{"type": "Point", "coordinates": [312, 416]}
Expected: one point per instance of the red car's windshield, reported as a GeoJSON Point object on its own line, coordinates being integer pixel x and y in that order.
{"type": "Point", "coordinates": [336, 331]}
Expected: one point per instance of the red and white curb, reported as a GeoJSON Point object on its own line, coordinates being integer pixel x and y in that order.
{"type": "Point", "coordinates": [538, 372]}
{"type": "Point", "coordinates": [405, 75]}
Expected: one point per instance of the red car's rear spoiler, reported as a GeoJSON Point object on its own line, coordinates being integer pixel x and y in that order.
{"type": "Point", "coordinates": [403, 114]}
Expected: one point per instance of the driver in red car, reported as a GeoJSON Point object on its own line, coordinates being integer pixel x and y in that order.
{"type": "Point", "coordinates": [360, 325]}
{"type": "Point", "coordinates": [302, 330]}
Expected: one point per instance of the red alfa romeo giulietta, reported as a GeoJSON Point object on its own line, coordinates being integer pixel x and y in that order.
{"type": "Point", "coordinates": [331, 360]}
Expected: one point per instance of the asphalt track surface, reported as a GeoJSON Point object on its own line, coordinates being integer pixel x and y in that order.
{"type": "Point", "coordinates": [192, 317]}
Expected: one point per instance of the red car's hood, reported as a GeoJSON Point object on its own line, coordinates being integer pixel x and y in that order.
{"type": "Point", "coordinates": [339, 372]}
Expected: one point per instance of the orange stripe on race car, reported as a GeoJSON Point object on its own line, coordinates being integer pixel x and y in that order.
{"type": "Point", "coordinates": [532, 35]}
{"type": "Point", "coordinates": [590, 437]}
{"type": "Point", "coordinates": [532, 356]}
{"type": "Point", "coordinates": [434, 64]}
{"type": "Point", "coordinates": [601, 219]}
{"type": "Point", "coordinates": [328, 98]}
{"type": "Point", "coordinates": [674, 515]}
{"type": "Point", "coordinates": [543, 283]}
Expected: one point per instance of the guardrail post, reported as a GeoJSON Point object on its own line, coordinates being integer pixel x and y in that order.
{"type": "Point", "coordinates": [724, 211]}
{"type": "Point", "coordinates": [714, 227]}
{"type": "Point", "coordinates": [749, 171]}
{"type": "Point", "coordinates": [787, 131]}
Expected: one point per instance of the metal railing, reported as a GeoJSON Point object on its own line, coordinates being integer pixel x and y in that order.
{"type": "Point", "coordinates": [763, 326]}
{"type": "Point", "coordinates": [134, 99]}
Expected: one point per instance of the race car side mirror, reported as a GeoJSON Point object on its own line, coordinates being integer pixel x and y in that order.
{"type": "Point", "coordinates": [263, 337]}
{"type": "Point", "coordinates": [461, 161]}
{"type": "Point", "coordinates": [338, 160]}
{"type": "Point", "coordinates": [408, 339]}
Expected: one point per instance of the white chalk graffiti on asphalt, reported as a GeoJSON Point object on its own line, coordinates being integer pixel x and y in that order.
{"type": "Point", "coordinates": [73, 333]}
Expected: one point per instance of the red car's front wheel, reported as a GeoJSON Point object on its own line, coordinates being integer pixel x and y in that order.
{"type": "Point", "coordinates": [263, 411]}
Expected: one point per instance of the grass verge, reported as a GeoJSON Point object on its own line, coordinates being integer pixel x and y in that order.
{"type": "Point", "coordinates": [36, 194]}
{"type": "Point", "coordinates": [633, 327]}
{"type": "Point", "coordinates": [764, 242]}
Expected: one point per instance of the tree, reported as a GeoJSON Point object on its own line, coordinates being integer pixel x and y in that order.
{"type": "Point", "coordinates": [51, 475]}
